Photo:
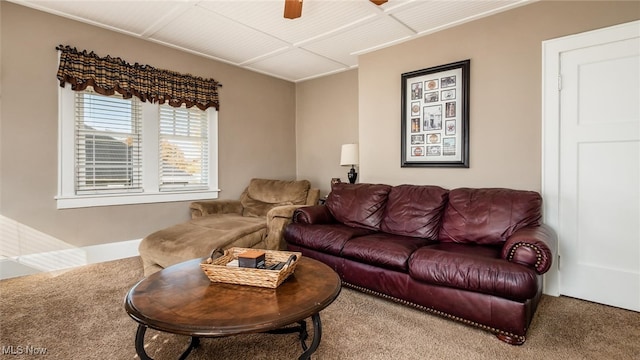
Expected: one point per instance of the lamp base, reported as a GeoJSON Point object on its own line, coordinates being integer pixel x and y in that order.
{"type": "Point", "coordinates": [352, 175]}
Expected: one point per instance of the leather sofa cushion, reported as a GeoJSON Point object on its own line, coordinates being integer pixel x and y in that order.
{"type": "Point", "coordinates": [414, 210]}
{"type": "Point", "coordinates": [460, 268]}
{"type": "Point", "coordinates": [383, 250]}
{"type": "Point", "coordinates": [328, 238]}
{"type": "Point", "coordinates": [488, 216]}
{"type": "Point", "coordinates": [263, 195]}
{"type": "Point", "coordinates": [358, 205]}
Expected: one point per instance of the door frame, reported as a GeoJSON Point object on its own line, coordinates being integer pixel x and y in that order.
{"type": "Point", "coordinates": [551, 85]}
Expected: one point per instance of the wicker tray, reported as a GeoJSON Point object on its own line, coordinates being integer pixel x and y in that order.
{"type": "Point", "coordinates": [217, 271]}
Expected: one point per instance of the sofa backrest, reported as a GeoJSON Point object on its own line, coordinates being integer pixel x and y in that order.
{"type": "Point", "coordinates": [415, 210]}
{"type": "Point", "coordinates": [358, 205]}
{"type": "Point", "coordinates": [264, 194]}
{"type": "Point", "coordinates": [488, 216]}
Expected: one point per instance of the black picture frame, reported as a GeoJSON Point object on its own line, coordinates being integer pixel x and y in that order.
{"type": "Point", "coordinates": [446, 116]}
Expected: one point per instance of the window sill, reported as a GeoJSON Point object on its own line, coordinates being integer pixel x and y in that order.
{"type": "Point", "coordinates": [82, 201]}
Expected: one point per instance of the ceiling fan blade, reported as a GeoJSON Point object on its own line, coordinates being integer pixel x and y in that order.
{"type": "Point", "coordinates": [292, 9]}
{"type": "Point", "coordinates": [378, 2]}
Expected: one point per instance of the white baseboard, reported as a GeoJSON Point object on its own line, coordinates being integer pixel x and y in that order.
{"type": "Point", "coordinates": [64, 259]}
{"type": "Point", "coordinates": [112, 251]}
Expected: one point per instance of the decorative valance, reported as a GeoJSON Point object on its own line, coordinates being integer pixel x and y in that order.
{"type": "Point", "coordinates": [109, 75]}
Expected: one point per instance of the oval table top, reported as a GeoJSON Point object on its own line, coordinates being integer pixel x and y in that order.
{"type": "Point", "coordinates": [182, 300]}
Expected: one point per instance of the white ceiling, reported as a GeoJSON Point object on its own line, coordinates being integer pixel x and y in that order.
{"type": "Point", "coordinates": [253, 34]}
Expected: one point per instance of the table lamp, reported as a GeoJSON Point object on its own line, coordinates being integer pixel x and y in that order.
{"type": "Point", "coordinates": [349, 156]}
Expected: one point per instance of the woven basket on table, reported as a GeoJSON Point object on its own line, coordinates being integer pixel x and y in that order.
{"type": "Point", "coordinates": [217, 271]}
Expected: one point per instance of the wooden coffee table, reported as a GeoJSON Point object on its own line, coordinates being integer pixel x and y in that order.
{"type": "Point", "coordinates": [182, 300]}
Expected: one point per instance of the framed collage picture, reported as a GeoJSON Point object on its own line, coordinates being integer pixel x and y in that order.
{"type": "Point", "coordinates": [435, 116]}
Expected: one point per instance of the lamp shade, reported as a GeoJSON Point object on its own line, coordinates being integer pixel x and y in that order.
{"type": "Point", "coordinates": [349, 154]}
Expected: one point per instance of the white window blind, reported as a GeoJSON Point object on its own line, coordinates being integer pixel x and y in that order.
{"type": "Point", "coordinates": [184, 148]}
{"type": "Point", "coordinates": [108, 139]}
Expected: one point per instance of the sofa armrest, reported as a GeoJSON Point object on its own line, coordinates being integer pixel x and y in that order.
{"type": "Point", "coordinates": [317, 214]}
{"type": "Point", "coordinates": [535, 247]}
{"type": "Point", "coordinates": [277, 219]}
{"type": "Point", "coordinates": [204, 208]}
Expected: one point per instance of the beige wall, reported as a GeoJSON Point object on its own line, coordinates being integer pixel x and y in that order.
{"type": "Point", "coordinates": [256, 127]}
{"type": "Point", "coordinates": [326, 117]}
{"type": "Point", "coordinates": [505, 100]}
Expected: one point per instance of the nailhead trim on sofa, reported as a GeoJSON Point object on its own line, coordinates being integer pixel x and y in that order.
{"type": "Point", "coordinates": [530, 246]}
{"type": "Point", "coordinates": [520, 338]}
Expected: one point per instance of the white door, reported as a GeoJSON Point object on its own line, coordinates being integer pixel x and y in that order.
{"type": "Point", "coordinates": [598, 191]}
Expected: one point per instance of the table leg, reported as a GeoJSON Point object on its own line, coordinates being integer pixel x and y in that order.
{"type": "Point", "coordinates": [317, 335]}
{"type": "Point", "coordinates": [302, 330]}
{"type": "Point", "coordinates": [140, 342]}
{"type": "Point", "coordinates": [195, 342]}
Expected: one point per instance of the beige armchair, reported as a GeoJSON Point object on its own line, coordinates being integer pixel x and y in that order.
{"type": "Point", "coordinates": [256, 220]}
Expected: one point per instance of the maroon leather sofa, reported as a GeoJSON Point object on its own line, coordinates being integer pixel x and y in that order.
{"type": "Point", "coordinates": [472, 255]}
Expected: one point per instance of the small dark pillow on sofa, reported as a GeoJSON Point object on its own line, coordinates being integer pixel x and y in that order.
{"type": "Point", "coordinates": [415, 210]}
{"type": "Point", "coordinates": [358, 205]}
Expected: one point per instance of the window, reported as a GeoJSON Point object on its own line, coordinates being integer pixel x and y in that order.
{"type": "Point", "coordinates": [117, 151]}
{"type": "Point", "coordinates": [108, 144]}
{"type": "Point", "coordinates": [184, 148]}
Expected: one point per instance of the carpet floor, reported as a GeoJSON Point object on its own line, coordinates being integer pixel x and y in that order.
{"type": "Point", "coordinates": [79, 314]}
